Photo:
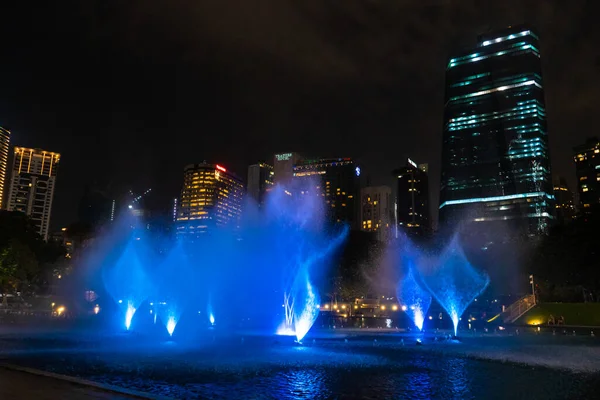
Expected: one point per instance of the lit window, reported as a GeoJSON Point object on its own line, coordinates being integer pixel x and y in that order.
{"type": "Point", "coordinates": [583, 178]}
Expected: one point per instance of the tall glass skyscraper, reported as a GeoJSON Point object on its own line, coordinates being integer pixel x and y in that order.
{"type": "Point", "coordinates": [495, 159]}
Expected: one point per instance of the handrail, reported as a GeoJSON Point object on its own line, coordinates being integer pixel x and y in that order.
{"type": "Point", "coordinates": [519, 307]}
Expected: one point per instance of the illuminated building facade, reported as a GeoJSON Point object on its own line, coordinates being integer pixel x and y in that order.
{"type": "Point", "coordinates": [565, 208]}
{"type": "Point", "coordinates": [337, 180]}
{"type": "Point", "coordinates": [412, 198]}
{"type": "Point", "coordinates": [283, 167]}
{"type": "Point", "coordinates": [495, 160]}
{"type": "Point", "coordinates": [32, 185]}
{"type": "Point", "coordinates": [211, 197]}
{"type": "Point", "coordinates": [4, 148]}
{"type": "Point", "coordinates": [376, 211]}
{"type": "Point", "coordinates": [587, 168]}
{"type": "Point", "coordinates": [260, 182]}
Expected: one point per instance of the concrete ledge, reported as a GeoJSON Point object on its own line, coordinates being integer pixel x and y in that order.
{"type": "Point", "coordinates": [82, 382]}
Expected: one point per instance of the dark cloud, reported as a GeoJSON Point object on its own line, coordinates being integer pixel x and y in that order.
{"type": "Point", "coordinates": [135, 90]}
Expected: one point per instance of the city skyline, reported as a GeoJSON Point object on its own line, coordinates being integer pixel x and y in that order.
{"type": "Point", "coordinates": [149, 123]}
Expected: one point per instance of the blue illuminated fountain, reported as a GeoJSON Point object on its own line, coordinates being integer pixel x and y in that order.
{"type": "Point", "coordinates": [453, 281]}
{"type": "Point", "coordinates": [414, 298]}
{"type": "Point", "coordinates": [127, 281]}
{"type": "Point", "coordinates": [265, 270]}
{"type": "Point", "coordinates": [173, 287]}
{"type": "Point", "coordinates": [447, 276]}
{"type": "Point", "coordinates": [300, 245]}
{"type": "Point", "coordinates": [410, 292]}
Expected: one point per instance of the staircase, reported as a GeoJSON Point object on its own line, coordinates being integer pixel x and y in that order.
{"type": "Point", "coordinates": [518, 308]}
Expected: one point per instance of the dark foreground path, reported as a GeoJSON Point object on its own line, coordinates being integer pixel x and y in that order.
{"type": "Point", "coordinates": [16, 385]}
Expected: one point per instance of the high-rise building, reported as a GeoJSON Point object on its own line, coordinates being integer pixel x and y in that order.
{"type": "Point", "coordinates": [283, 167]}
{"type": "Point", "coordinates": [376, 211]}
{"type": "Point", "coordinates": [587, 168]}
{"type": "Point", "coordinates": [4, 148]}
{"type": "Point", "coordinates": [565, 208]}
{"type": "Point", "coordinates": [260, 181]}
{"type": "Point", "coordinates": [495, 160]}
{"type": "Point", "coordinates": [337, 181]}
{"type": "Point", "coordinates": [412, 198]}
{"type": "Point", "coordinates": [32, 185]}
{"type": "Point", "coordinates": [211, 197]}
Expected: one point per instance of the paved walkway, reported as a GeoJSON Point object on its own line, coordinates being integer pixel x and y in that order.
{"type": "Point", "coordinates": [16, 385]}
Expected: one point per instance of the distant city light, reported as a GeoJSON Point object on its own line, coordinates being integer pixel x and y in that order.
{"type": "Point", "coordinates": [404, 308]}
{"type": "Point", "coordinates": [283, 157]}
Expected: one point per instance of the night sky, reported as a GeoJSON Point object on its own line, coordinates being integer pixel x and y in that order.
{"type": "Point", "coordinates": [129, 92]}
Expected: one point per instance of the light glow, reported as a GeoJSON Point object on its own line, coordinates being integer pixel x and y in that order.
{"type": "Point", "coordinates": [496, 198]}
{"type": "Point", "coordinates": [129, 315]}
{"type": "Point", "coordinates": [221, 168]}
{"type": "Point", "coordinates": [171, 323]}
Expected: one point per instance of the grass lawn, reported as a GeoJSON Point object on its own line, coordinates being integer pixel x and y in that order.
{"type": "Point", "coordinates": [584, 314]}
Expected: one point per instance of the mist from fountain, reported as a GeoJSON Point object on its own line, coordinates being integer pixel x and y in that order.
{"type": "Point", "coordinates": [453, 281]}
{"type": "Point", "coordinates": [447, 276]}
{"type": "Point", "coordinates": [274, 257]}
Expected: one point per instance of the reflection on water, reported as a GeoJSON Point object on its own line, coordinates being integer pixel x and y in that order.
{"type": "Point", "coordinates": [262, 370]}
{"type": "Point", "coordinates": [457, 376]}
{"type": "Point", "coordinates": [302, 384]}
{"type": "Point", "coordinates": [419, 381]}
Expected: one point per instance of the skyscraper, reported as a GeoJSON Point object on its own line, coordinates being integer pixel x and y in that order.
{"type": "Point", "coordinates": [337, 181]}
{"type": "Point", "coordinates": [32, 185]}
{"type": "Point", "coordinates": [587, 168]}
{"type": "Point", "coordinates": [211, 197]}
{"type": "Point", "coordinates": [412, 198]}
{"type": "Point", "coordinates": [376, 211]}
{"type": "Point", "coordinates": [495, 160]}
{"type": "Point", "coordinates": [4, 148]}
{"type": "Point", "coordinates": [565, 209]}
{"type": "Point", "coordinates": [283, 167]}
{"type": "Point", "coordinates": [260, 181]}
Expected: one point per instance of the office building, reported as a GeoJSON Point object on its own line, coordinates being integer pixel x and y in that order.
{"type": "Point", "coordinates": [32, 185]}
{"type": "Point", "coordinates": [283, 167]}
{"type": "Point", "coordinates": [211, 197]}
{"type": "Point", "coordinates": [4, 149]}
{"type": "Point", "coordinates": [412, 198]}
{"type": "Point", "coordinates": [564, 204]}
{"type": "Point", "coordinates": [376, 211]}
{"type": "Point", "coordinates": [337, 181]}
{"type": "Point", "coordinates": [260, 182]}
{"type": "Point", "coordinates": [495, 160]}
{"type": "Point", "coordinates": [587, 168]}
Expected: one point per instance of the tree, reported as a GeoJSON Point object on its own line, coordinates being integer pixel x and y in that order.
{"type": "Point", "coordinates": [18, 265]}
{"type": "Point", "coordinates": [23, 252]}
